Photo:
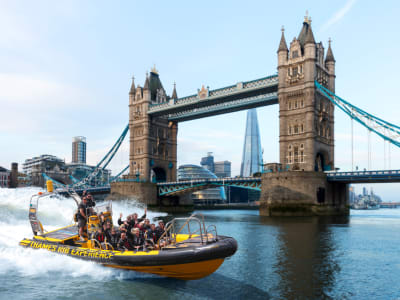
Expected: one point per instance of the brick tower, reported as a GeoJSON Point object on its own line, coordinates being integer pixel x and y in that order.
{"type": "Point", "coordinates": [306, 117]}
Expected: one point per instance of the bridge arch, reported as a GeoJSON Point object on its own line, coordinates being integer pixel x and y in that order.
{"type": "Point", "coordinates": [158, 174]}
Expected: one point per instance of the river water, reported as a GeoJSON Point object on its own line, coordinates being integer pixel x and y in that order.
{"type": "Point", "coordinates": [356, 257]}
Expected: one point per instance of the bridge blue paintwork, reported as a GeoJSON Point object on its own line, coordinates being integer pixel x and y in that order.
{"type": "Point", "coordinates": [378, 176]}
{"type": "Point", "coordinates": [190, 186]}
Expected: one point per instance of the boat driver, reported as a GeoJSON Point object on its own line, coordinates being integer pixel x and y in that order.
{"type": "Point", "coordinates": [82, 217]}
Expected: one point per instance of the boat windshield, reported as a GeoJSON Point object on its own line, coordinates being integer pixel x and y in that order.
{"type": "Point", "coordinates": [103, 207]}
{"type": "Point", "coordinates": [193, 227]}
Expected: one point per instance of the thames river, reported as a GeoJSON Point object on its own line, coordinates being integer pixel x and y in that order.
{"type": "Point", "coordinates": [355, 257]}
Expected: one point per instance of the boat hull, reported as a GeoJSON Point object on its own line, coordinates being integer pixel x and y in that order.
{"type": "Point", "coordinates": [182, 262]}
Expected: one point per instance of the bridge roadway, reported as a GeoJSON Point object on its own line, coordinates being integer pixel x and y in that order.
{"type": "Point", "coordinates": [185, 186]}
{"type": "Point", "coordinates": [243, 95]}
{"type": "Point", "coordinates": [378, 176]}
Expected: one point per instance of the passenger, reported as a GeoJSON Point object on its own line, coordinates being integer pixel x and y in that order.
{"type": "Point", "coordinates": [124, 243]}
{"type": "Point", "coordinates": [151, 233]}
{"type": "Point", "coordinates": [137, 239]}
{"type": "Point", "coordinates": [82, 217]}
{"type": "Point", "coordinates": [99, 236]}
{"type": "Point", "coordinates": [138, 220]}
{"type": "Point", "coordinates": [146, 225]}
{"type": "Point", "coordinates": [160, 229]}
{"type": "Point", "coordinates": [113, 238]}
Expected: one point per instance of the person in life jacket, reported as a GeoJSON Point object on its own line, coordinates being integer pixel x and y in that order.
{"type": "Point", "coordinates": [124, 243]}
{"type": "Point", "coordinates": [99, 236]}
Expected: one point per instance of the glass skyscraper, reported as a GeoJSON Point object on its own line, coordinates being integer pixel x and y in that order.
{"type": "Point", "coordinates": [252, 153]}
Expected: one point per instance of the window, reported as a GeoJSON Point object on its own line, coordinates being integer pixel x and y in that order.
{"type": "Point", "coordinates": [302, 103]}
{"type": "Point", "coordinates": [294, 71]}
{"type": "Point", "coordinates": [295, 54]}
{"type": "Point", "coordinates": [302, 156]}
{"type": "Point", "coordinates": [290, 130]}
{"type": "Point", "coordinates": [301, 128]}
{"type": "Point", "coordinates": [301, 69]}
{"type": "Point", "coordinates": [295, 104]}
{"type": "Point", "coordinates": [301, 146]}
{"type": "Point", "coordinates": [296, 129]}
{"type": "Point", "coordinates": [296, 154]}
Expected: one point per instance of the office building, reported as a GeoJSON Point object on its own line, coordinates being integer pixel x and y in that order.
{"type": "Point", "coordinates": [208, 196]}
{"type": "Point", "coordinates": [4, 177]}
{"type": "Point", "coordinates": [222, 168]}
{"type": "Point", "coordinates": [79, 150]}
{"type": "Point", "coordinates": [207, 162]}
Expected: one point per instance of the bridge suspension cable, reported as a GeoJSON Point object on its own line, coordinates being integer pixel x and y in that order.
{"type": "Point", "coordinates": [104, 161]}
{"type": "Point", "coordinates": [387, 131]}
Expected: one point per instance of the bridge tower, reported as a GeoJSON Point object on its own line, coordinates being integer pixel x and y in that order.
{"type": "Point", "coordinates": [306, 118]}
{"type": "Point", "coordinates": [306, 137]}
{"type": "Point", "coordinates": [152, 156]}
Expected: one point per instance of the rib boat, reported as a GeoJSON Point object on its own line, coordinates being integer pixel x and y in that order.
{"type": "Point", "coordinates": [187, 250]}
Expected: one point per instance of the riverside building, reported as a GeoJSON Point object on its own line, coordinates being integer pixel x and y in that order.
{"type": "Point", "coordinates": [79, 150]}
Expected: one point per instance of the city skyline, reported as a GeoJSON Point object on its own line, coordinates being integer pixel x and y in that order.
{"type": "Point", "coordinates": [68, 73]}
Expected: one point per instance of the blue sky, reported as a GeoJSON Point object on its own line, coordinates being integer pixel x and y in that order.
{"type": "Point", "coordinates": [66, 68]}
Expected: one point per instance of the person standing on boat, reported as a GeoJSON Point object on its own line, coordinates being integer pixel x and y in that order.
{"type": "Point", "coordinates": [82, 217]}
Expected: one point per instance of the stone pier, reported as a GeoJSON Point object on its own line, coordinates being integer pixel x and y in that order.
{"type": "Point", "coordinates": [302, 193]}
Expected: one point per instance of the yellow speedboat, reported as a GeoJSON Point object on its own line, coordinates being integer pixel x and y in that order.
{"type": "Point", "coordinates": [188, 250]}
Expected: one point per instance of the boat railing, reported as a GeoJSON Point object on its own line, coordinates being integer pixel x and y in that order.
{"type": "Point", "coordinates": [205, 234]}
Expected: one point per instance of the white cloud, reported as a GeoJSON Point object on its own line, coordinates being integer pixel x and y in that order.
{"type": "Point", "coordinates": [338, 15]}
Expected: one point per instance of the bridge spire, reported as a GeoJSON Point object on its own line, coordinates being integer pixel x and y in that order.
{"type": "Point", "coordinates": [174, 94]}
{"type": "Point", "coordinates": [282, 44]}
{"type": "Point", "coordinates": [133, 89]}
{"type": "Point", "coordinates": [147, 82]}
{"type": "Point", "coordinates": [329, 53]}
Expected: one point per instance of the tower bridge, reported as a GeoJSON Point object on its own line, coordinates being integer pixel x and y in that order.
{"type": "Point", "coordinates": [304, 88]}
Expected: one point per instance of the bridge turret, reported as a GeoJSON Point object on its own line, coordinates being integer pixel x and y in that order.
{"type": "Point", "coordinates": [132, 92]}
{"type": "Point", "coordinates": [174, 93]}
{"type": "Point", "coordinates": [282, 56]}
{"type": "Point", "coordinates": [146, 88]}
{"type": "Point", "coordinates": [330, 66]}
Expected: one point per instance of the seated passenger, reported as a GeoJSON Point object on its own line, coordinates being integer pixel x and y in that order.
{"type": "Point", "coordinates": [99, 236]}
{"type": "Point", "coordinates": [146, 225]}
{"type": "Point", "coordinates": [113, 238]}
{"type": "Point", "coordinates": [160, 229]}
{"type": "Point", "coordinates": [137, 240]}
{"type": "Point", "coordinates": [151, 233]}
{"type": "Point", "coordinates": [138, 220]}
{"type": "Point", "coordinates": [124, 243]}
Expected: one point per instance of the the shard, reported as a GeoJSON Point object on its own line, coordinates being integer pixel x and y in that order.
{"type": "Point", "coordinates": [252, 154]}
